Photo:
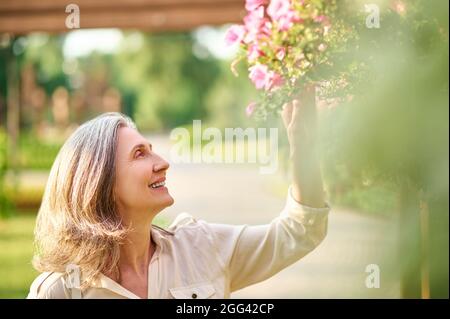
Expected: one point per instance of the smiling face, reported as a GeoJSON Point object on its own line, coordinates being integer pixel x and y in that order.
{"type": "Point", "coordinates": [140, 176]}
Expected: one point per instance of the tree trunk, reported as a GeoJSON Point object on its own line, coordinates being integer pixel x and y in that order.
{"type": "Point", "coordinates": [409, 242]}
{"type": "Point", "coordinates": [438, 246]}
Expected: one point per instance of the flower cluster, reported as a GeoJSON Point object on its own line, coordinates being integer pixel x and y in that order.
{"type": "Point", "coordinates": [283, 42]}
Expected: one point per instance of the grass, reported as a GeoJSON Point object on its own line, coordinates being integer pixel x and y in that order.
{"type": "Point", "coordinates": [16, 251]}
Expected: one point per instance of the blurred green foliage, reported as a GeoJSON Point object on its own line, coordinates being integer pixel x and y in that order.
{"type": "Point", "coordinates": [36, 154]}
{"type": "Point", "coordinates": [170, 86]}
{"type": "Point", "coordinates": [393, 133]}
{"type": "Point", "coordinates": [4, 202]}
{"type": "Point", "coordinates": [163, 82]}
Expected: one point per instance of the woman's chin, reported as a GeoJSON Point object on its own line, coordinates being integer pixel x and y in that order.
{"type": "Point", "coordinates": [161, 197]}
{"type": "Point", "coordinates": [166, 200]}
{"type": "Point", "coordinates": [170, 200]}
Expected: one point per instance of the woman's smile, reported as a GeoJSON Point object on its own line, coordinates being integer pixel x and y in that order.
{"type": "Point", "coordinates": [159, 188]}
{"type": "Point", "coordinates": [159, 185]}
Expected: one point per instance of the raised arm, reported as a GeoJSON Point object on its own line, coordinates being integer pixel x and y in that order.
{"type": "Point", "coordinates": [254, 253]}
{"type": "Point", "coordinates": [300, 120]}
{"type": "Point", "coordinates": [250, 254]}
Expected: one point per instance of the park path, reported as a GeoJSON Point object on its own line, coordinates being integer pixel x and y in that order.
{"type": "Point", "coordinates": [238, 194]}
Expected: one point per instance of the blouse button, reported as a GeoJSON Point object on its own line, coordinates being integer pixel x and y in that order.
{"type": "Point", "coordinates": [194, 296]}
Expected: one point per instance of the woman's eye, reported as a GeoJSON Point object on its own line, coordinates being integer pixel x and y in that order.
{"type": "Point", "coordinates": [139, 154]}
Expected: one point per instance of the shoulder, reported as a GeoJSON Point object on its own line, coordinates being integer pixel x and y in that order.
{"type": "Point", "coordinates": [187, 227]}
{"type": "Point", "coordinates": [183, 220]}
{"type": "Point", "coordinates": [48, 285]}
{"type": "Point", "coordinates": [211, 242]}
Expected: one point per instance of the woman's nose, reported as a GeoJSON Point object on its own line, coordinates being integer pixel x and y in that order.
{"type": "Point", "coordinates": [161, 164]}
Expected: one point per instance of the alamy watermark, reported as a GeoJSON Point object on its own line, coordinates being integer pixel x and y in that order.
{"type": "Point", "coordinates": [235, 145]}
{"type": "Point", "coordinates": [373, 18]}
{"type": "Point", "coordinates": [73, 281]}
{"type": "Point", "coordinates": [73, 18]}
{"type": "Point", "coordinates": [373, 279]}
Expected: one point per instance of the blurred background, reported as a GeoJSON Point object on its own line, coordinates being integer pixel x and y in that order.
{"type": "Point", "coordinates": [164, 63]}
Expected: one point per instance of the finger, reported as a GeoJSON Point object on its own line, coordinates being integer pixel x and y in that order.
{"type": "Point", "coordinates": [296, 112]}
{"type": "Point", "coordinates": [286, 113]}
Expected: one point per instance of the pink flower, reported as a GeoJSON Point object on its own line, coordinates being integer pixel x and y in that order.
{"type": "Point", "coordinates": [251, 5]}
{"type": "Point", "coordinates": [278, 8]}
{"type": "Point", "coordinates": [262, 77]}
{"type": "Point", "coordinates": [325, 21]}
{"type": "Point", "coordinates": [254, 19]}
{"type": "Point", "coordinates": [266, 28]}
{"type": "Point", "coordinates": [281, 53]}
{"type": "Point", "coordinates": [322, 19]}
{"type": "Point", "coordinates": [254, 22]}
{"type": "Point", "coordinates": [282, 13]}
{"type": "Point", "coordinates": [254, 52]}
{"type": "Point", "coordinates": [399, 7]}
{"type": "Point", "coordinates": [322, 47]}
{"type": "Point", "coordinates": [250, 108]}
{"type": "Point", "coordinates": [286, 21]}
{"type": "Point", "coordinates": [235, 34]}
{"type": "Point", "coordinates": [275, 81]}
{"type": "Point", "coordinates": [259, 74]}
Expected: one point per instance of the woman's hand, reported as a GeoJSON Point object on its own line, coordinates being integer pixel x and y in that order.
{"type": "Point", "coordinates": [300, 120]}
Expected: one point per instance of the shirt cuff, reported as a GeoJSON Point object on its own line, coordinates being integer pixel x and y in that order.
{"type": "Point", "coordinates": [303, 213]}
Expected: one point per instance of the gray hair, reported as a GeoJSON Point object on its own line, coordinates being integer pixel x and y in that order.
{"type": "Point", "coordinates": [78, 222]}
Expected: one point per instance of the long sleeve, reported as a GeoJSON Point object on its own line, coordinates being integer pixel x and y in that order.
{"type": "Point", "coordinates": [251, 254]}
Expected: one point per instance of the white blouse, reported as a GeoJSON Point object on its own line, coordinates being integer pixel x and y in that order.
{"type": "Point", "coordinates": [197, 259]}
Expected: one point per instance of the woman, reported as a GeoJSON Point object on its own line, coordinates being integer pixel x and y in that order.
{"type": "Point", "coordinates": [94, 232]}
